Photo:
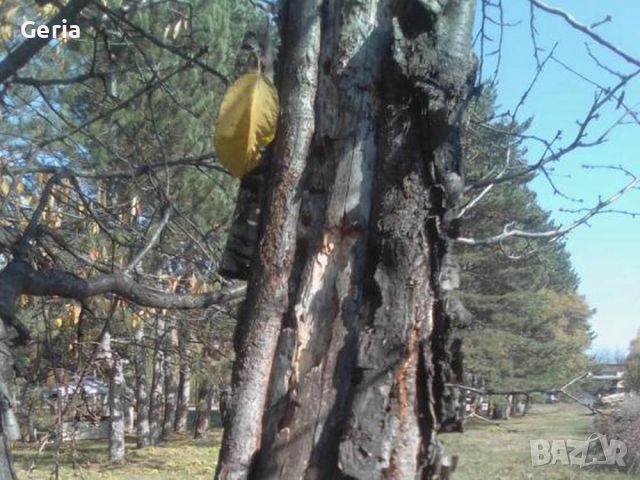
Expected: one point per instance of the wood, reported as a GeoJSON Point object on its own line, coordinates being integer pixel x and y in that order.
{"type": "Point", "coordinates": [352, 342]}
{"type": "Point", "coordinates": [203, 408]}
{"type": "Point", "coordinates": [6, 381]}
{"type": "Point", "coordinates": [268, 298]}
{"type": "Point", "coordinates": [184, 382]}
{"type": "Point", "coordinates": [143, 434]}
{"type": "Point", "coordinates": [156, 401]}
{"type": "Point", "coordinates": [116, 423]}
{"type": "Point", "coordinates": [171, 376]}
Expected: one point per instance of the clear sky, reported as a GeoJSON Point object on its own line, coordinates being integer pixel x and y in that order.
{"type": "Point", "coordinates": [606, 253]}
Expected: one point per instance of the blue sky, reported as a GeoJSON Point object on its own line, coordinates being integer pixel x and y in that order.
{"type": "Point", "coordinates": [605, 253]}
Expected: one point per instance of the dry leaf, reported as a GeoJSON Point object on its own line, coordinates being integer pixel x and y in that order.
{"type": "Point", "coordinates": [246, 123]}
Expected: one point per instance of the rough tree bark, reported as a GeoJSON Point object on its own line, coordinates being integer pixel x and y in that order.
{"type": "Point", "coordinates": [342, 350]}
{"type": "Point", "coordinates": [203, 408]}
{"type": "Point", "coordinates": [184, 383]}
{"type": "Point", "coordinates": [171, 377]}
{"type": "Point", "coordinates": [143, 436]}
{"type": "Point", "coordinates": [114, 368]}
{"type": "Point", "coordinates": [7, 430]}
{"type": "Point", "coordinates": [116, 412]}
{"type": "Point", "coordinates": [156, 402]}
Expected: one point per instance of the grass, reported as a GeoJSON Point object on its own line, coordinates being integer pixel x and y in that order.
{"type": "Point", "coordinates": [485, 451]}
{"type": "Point", "coordinates": [179, 458]}
{"type": "Point", "coordinates": [503, 452]}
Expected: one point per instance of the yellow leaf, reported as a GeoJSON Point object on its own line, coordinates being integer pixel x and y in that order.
{"type": "Point", "coordinates": [77, 310]}
{"type": "Point", "coordinates": [41, 178]}
{"type": "Point", "coordinates": [48, 10]}
{"type": "Point", "coordinates": [192, 282]}
{"type": "Point", "coordinates": [58, 322]}
{"type": "Point", "coordinates": [23, 301]}
{"type": "Point", "coordinates": [55, 219]}
{"type": "Point", "coordinates": [6, 32]}
{"type": "Point", "coordinates": [176, 29]}
{"type": "Point", "coordinates": [136, 209]}
{"type": "Point", "coordinates": [246, 123]}
{"type": "Point", "coordinates": [5, 186]}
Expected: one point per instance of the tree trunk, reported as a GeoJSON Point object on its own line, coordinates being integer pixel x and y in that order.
{"type": "Point", "coordinates": [184, 384]}
{"type": "Point", "coordinates": [203, 408]}
{"type": "Point", "coordinates": [116, 404]}
{"type": "Point", "coordinates": [171, 377]}
{"type": "Point", "coordinates": [156, 404]}
{"type": "Point", "coordinates": [116, 413]}
{"type": "Point", "coordinates": [8, 426]}
{"type": "Point", "coordinates": [342, 349]}
{"type": "Point", "coordinates": [143, 437]}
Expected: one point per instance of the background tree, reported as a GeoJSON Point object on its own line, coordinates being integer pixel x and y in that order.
{"type": "Point", "coordinates": [122, 194]}
{"type": "Point", "coordinates": [527, 318]}
{"type": "Point", "coordinates": [632, 363]}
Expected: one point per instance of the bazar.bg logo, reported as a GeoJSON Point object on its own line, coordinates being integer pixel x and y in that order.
{"type": "Point", "coordinates": [582, 453]}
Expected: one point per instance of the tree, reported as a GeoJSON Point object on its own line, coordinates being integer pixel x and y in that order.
{"type": "Point", "coordinates": [526, 316]}
{"type": "Point", "coordinates": [347, 300]}
{"type": "Point", "coordinates": [349, 297]}
{"type": "Point", "coordinates": [123, 182]}
{"type": "Point", "coordinates": [632, 363]}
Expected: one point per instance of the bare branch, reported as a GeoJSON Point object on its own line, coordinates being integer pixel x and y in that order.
{"type": "Point", "coordinates": [152, 241]}
{"type": "Point", "coordinates": [170, 48]}
{"type": "Point", "coordinates": [551, 153]}
{"type": "Point", "coordinates": [474, 201]}
{"type": "Point", "coordinates": [19, 278]}
{"type": "Point", "coordinates": [64, 172]}
{"type": "Point", "coordinates": [586, 30]}
{"type": "Point", "coordinates": [510, 232]}
{"type": "Point", "coordinates": [558, 391]}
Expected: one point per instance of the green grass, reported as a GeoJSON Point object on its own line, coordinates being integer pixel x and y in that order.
{"type": "Point", "coordinates": [179, 458]}
{"type": "Point", "coordinates": [486, 452]}
{"type": "Point", "coordinates": [502, 452]}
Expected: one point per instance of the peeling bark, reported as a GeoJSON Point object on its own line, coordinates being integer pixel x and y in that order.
{"type": "Point", "coordinates": [356, 379]}
{"type": "Point", "coordinates": [267, 302]}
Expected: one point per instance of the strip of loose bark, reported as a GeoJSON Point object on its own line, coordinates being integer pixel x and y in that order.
{"type": "Point", "coordinates": [268, 295]}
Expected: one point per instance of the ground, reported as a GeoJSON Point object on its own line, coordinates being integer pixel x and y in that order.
{"type": "Point", "coordinates": [180, 458]}
{"type": "Point", "coordinates": [486, 452]}
{"type": "Point", "coordinates": [503, 452]}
